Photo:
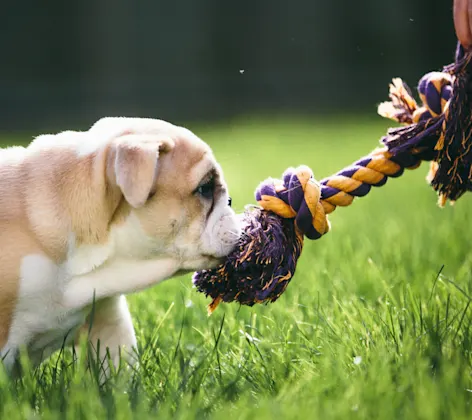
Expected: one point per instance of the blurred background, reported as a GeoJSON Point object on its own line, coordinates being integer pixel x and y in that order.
{"type": "Point", "coordinates": [66, 64]}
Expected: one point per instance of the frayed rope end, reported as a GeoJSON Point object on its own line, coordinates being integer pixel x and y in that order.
{"type": "Point", "coordinates": [260, 267]}
{"type": "Point", "coordinates": [440, 130]}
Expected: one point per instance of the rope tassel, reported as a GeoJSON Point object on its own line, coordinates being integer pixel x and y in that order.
{"type": "Point", "coordinates": [297, 206]}
{"type": "Point", "coordinates": [443, 124]}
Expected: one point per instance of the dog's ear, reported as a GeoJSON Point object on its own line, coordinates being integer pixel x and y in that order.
{"type": "Point", "coordinates": [133, 165]}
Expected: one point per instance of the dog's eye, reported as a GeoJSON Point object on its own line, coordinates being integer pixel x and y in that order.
{"type": "Point", "coordinates": [206, 190]}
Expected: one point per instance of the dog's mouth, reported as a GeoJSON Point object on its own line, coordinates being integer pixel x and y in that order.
{"type": "Point", "coordinates": [213, 261]}
{"type": "Point", "coordinates": [204, 262]}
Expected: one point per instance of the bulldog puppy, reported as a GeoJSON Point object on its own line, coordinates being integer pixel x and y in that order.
{"type": "Point", "coordinates": [87, 217]}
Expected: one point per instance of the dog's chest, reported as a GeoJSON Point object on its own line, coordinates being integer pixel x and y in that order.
{"type": "Point", "coordinates": [41, 321]}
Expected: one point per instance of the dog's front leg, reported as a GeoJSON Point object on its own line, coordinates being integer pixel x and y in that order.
{"type": "Point", "coordinates": [116, 278]}
{"type": "Point", "coordinates": [110, 333]}
{"type": "Point", "coordinates": [103, 290]}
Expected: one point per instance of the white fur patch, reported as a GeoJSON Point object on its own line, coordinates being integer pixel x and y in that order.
{"type": "Point", "coordinates": [40, 321]}
{"type": "Point", "coordinates": [85, 258]}
{"type": "Point", "coordinates": [222, 231]}
{"type": "Point", "coordinates": [131, 241]}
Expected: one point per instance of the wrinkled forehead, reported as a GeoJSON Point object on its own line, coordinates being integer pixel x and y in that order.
{"type": "Point", "coordinates": [191, 160]}
{"type": "Point", "coordinates": [195, 156]}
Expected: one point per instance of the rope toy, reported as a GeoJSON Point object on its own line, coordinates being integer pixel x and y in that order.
{"type": "Point", "coordinates": [264, 261]}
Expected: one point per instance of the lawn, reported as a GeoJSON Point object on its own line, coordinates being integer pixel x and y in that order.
{"type": "Point", "coordinates": [376, 323]}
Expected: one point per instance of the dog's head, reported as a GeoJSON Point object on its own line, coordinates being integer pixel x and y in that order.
{"type": "Point", "coordinates": [175, 200]}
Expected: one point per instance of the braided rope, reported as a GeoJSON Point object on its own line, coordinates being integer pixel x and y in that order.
{"type": "Point", "coordinates": [438, 130]}
{"type": "Point", "coordinates": [298, 195]}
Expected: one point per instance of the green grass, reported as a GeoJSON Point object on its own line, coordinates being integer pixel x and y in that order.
{"type": "Point", "coordinates": [369, 328]}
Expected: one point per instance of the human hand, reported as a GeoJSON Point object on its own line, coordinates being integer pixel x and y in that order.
{"type": "Point", "coordinates": [463, 22]}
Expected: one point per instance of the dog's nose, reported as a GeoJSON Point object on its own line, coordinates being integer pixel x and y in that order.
{"type": "Point", "coordinates": [230, 200]}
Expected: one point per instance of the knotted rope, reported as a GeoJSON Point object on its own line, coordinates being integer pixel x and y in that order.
{"type": "Point", "coordinates": [264, 262]}
{"type": "Point", "coordinates": [301, 197]}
